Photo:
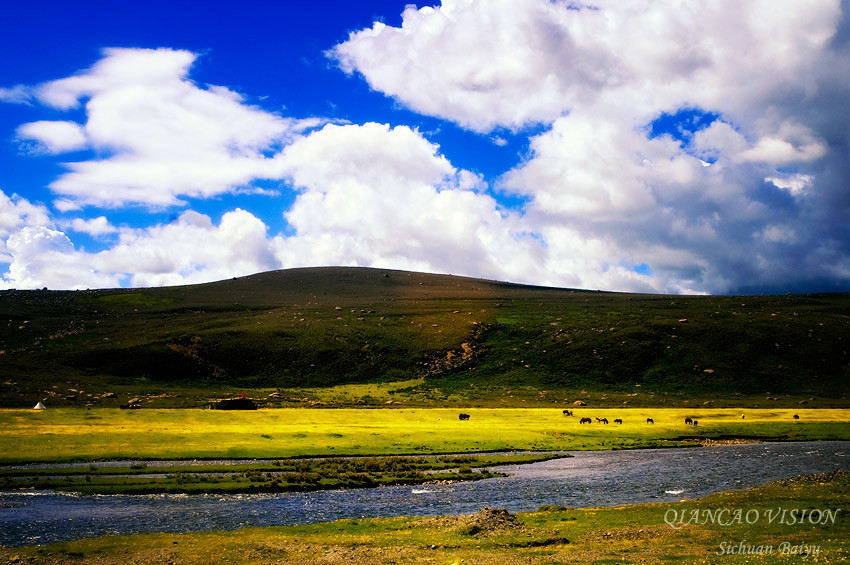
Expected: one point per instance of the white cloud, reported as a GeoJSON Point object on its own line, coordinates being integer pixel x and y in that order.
{"type": "Point", "coordinates": [370, 195]}
{"type": "Point", "coordinates": [18, 94]}
{"type": "Point", "coordinates": [585, 167]}
{"type": "Point", "coordinates": [779, 152]}
{"type": "Point", "coordinates": [719, 139]}
{"type": "Point", "coordinates": [38, 255]}
{"type": "Point", "coordinates": [533, 60]}
{"type": "Point", "coordinates": [163, 136]}
{"type": "Point", "coordinates": [192, 249]}
{"type": "Point", "coordinates": [602, 196]}
{"type": "Point", "coordinates": [794, 183]}
{"type": "Point", "coordinates": [604, 201]}
{"type": "Point", "coordinates": [387, 198]}
{"type": "Point", "coordinates": [46, 257]}
{"type": "Point", "coordinates": [505, 62]}
{"type": "Point", "coordinates": [55, 137]}
{"type": "Point", "coordinates": [94, 227]}
{"type": "Point", "coordinates": [17, 213]}
{"type": "Point", "coordinates": [119, 70]}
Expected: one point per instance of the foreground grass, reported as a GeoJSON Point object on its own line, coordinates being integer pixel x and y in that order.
{"type": "Point", "coordinates": [109, 434]}
{"type": "Point", "coordinates": [631, 534]}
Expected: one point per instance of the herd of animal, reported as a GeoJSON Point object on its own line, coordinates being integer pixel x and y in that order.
{"type": "Point", "coordinates": [688, 421]}
{"type": "Point", "coordinates": [586, 420]}
{"type": "Point", "coordinates": [599, 421]}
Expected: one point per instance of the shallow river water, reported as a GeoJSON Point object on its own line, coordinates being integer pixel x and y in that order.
{"type": "Point", "coordinates": [588, 479]}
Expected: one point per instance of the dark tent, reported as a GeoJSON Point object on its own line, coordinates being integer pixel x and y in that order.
{"type": "Point", "coordinates": [241, 403]}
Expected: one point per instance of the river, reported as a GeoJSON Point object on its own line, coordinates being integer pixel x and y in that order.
{"type": "Point", "coordinates": [588, 479]}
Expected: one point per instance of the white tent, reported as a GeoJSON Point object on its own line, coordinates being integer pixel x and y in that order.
{"type": "Point", "coordinates": [39, 406]}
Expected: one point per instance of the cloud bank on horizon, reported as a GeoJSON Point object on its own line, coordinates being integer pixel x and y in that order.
{"type": "Point", "coordinates": [672, 147]}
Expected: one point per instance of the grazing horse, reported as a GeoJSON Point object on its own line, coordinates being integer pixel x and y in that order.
{"type": "Point", "coordinates": [568, 412]}
{"type": "Point", "coordinates": [585, 421]}
{"type": "Point", "coordinates": [796, 417]}
{"type": "Point", "coordinates": [618, 421]}
{"type": "Point", "coordinates": [463, 417]}
{"type": "Point", "coordinates": [695, 422]}
{"type": "Point", "coordinates": [688, 421]}
{"type": "Point", "coordinates": [742, 416]}
{"type": "Point", "coordinates": [604, 420]}
{"type": "Point", "coordinates": [649, 421]}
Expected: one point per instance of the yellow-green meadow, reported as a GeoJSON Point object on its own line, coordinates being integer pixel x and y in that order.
{"type": "Point", "coordinates": [88, 435]}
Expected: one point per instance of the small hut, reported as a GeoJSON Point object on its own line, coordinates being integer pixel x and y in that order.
{"type": "Point", "coordinates": [241, 403]}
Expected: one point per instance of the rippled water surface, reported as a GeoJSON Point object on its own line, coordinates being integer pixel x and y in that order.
{"type": "Point", "coordinates": [590, 478]}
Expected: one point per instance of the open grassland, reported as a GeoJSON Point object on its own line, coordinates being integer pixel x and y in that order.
{"type": "Point", "coordinates": [630, 534]}
{"type": "Point", "coordinates": [104, 434]}
{"type": "Point", "coordinates": [454, 340]}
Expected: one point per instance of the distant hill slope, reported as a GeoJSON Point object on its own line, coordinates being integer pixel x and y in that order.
{"type": "Point", "coordinates": [327, 326]}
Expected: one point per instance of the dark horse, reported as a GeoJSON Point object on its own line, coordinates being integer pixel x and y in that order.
{"type": "Point", "coordinates": [585, 421]}
{"type": "Point", "coordinates": [649, 421]}
{"type": "Point", "coordinates": [463, 416]}
{"type": "Point", "coordinates": [568, 412]}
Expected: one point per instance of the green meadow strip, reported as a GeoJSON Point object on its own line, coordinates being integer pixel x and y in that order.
{"type": "Point", "coordinates": [277, 476]}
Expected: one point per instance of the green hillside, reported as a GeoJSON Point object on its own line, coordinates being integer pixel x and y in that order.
{"type": "Point", "coordinates": [321, 327]}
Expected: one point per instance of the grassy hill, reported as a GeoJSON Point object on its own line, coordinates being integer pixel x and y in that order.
{"type": "Point", "coordinates": [464, 339]}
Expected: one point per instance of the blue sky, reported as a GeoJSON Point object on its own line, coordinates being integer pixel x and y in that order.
{"type": "Point", "coordinates": [619, 146]}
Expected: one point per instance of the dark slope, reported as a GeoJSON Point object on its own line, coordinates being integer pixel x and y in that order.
{"type": "Point", "coordinates": [325, 326]}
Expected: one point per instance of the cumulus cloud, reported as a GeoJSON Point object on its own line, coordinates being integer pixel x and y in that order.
{"type": "Point", "coordinates": [38, 255]}
{"type": "Point", "coordinates": [17, 213]}
{"type": "Point", "coordinates": [511, 62]}
{"type": "Point", "coordinates": [388, 198]}
{"type": "Point", "coordinates": [753, 199]}
{"type": "Point", "coordinates": [369, 195]}
{"type": "Point", "coordinates": [730, 206]}
{"type": "Point", "coordinates": [778, 151]}
{"type": "Point", "coordinates": [42, 256]}
{"type": "Point", "coordinates": [191, 249]}
{"type": "Point", "coordinates": [162, 137]}
{"type": "Point", "coordinates": [482, 64]}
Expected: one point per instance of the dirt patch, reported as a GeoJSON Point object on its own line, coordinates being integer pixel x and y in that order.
{"type": "Point", "coordinates": [627, 534]}
{"type": "Point", "coordinates": [734, 441]}
{"type": "Point", "coordinates": [485, 521]}
{"type": "Point", "coordinates": [488, 521]}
